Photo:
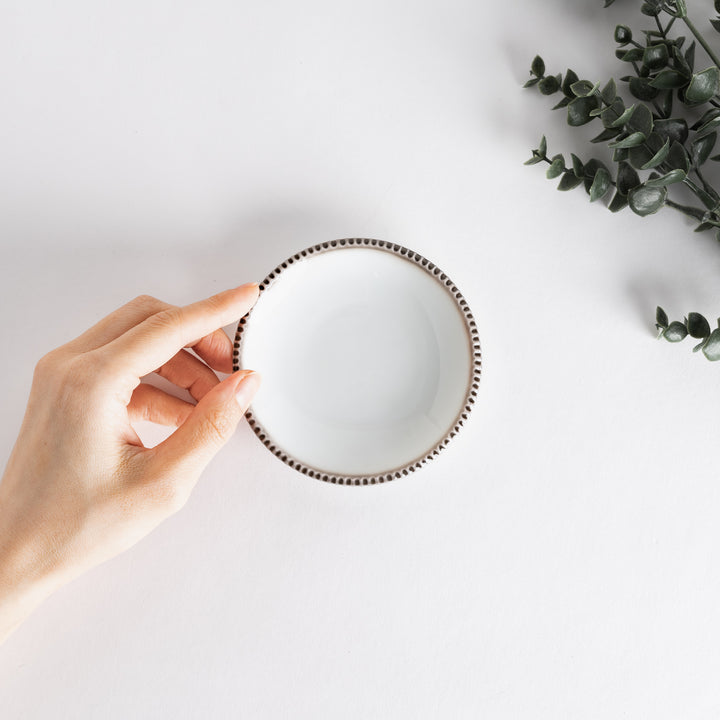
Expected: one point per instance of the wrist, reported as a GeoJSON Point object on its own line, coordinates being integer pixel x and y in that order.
{"type": "Point", "coordinates": [23, 585]}
{"type": "Point", "coordinates": [28, 573]}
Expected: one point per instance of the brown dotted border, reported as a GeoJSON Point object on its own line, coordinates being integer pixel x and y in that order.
{"type": "Point", "coordinates": [470, 397]}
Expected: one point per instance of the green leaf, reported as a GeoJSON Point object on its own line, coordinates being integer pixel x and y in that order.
{"type": "Point", "coordinates": [539, 154]}
{"type": "Point", "coordinates": [538, 67]}
{"type": "Point", "coordinates": [633, 55]}
{"type": "Point", "coordinates": [641, 154]}
{"type": "Point", "coordinates": [617, 203]}
{"type": "Point", "coordinates": [531, 82]}
{"type": "Point", "coordinates": [649, 8]}
{"type": "Point", "coordinates": [697, 325]}
{"type": "Point", "coordinates": [641, 89]}
{"type": "Point", "coordinates": [641, 120]}
{"type": "Point", "coordinates": [655, 56]}
{"type": "Point", "coordinates": [600, 185]}
{"type": "Point", "coordinates": [703, 86]}
{"type": "Point", "coordinates": [674, 176]}
{"type": "Point", "coordinates": [577, 165]}
{"type": "Point", "coordinates": [623, 34]}
{"type": "Point", "coordinates": [637, 138]}
{"type": "Point", "coordinates": [549, 85]}
{"type": "Point", "coordinates": [579, 110]}
{"type": "Point", "coordinates": [710, 126]}
{"type": "Point", "coordinates": [569, 181]}
{"type": "Point", "coordinates": [715, 22]}
{"type": "Point", "coordinates": [570, 79]}
{"type": "Point", "coordinates": [678, 158]}
{"type": "Point", "coordinates": [701, 148]}
{"type": "Point", "coordinates": [690, 55]}
{"type": "Point", "coordinates": [638, 156]}
{"type": "Point", "coordinates": [620, 154]}
{"type": "Point", "coordinates": [680, 61]}
{"type": "Point", "coordinates": [609, 92]}
{"type": "Point", "coordinates": [606, 134]}
{"type": "Point", "coordinates": [675, 332]}
{"type": "Point", "coordinates": [610, 114]}
{"type": "Point", "coordinates": [557, 167]}
{"type": "Point", "coordinates": [592, 167]}
{"type": "Point", "coordinates": [665, 103]}
{"type": "Point", "coordinates": [561, 104]}
{"type": "Point", "coordinates": [661, 318]}
{"type": "Point", "coordinates": [624, 117]}
{"type": "Point", "coordinates": [645, 200]}
{"type": "Point", "coordinates": [673, 128]}
{"type": "Point", "coordinates": [669, 80]}
{"type": "Point", "coordinates": [659, 157]}
{"type": "Point", "coordinates": [583, 88]}
{"type": "Point", "coordinates": [711, 350]}
{"type": "Point", "coordinates": [707, 116]}
{"type": "Point", "coordinates": [627, 179]}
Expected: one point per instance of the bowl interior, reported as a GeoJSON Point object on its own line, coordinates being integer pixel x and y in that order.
{"type": "Point", "coordinates": [366, 361]}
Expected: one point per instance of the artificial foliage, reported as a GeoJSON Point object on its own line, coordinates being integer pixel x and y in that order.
{"type": "Point", "coordinates": [661, 140]}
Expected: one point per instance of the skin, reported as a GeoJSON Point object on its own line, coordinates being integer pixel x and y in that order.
{"type": "Point", "coordinates": [79, 486]}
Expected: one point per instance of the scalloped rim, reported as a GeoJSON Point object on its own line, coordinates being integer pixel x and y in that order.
{"type": "Point", "coordinates": [473, 383]}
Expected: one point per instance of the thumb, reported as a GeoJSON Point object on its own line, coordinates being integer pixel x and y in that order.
{"type": "Point", "coordinates": [209, 426]}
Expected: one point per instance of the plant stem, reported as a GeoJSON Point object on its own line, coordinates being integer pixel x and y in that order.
{"type": "Point", "coordinates": [701, 40]}
{"type": "Point", "coordinates": [659, 26]}
{"type": "Point", "coordinates": [704, 197]}
{"type": "Point", "coordinates": [692, 212]}
{"type": "Point", "coordinates": [709, 189]}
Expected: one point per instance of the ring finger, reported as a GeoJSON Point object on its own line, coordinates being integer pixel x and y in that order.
{"type": "Point", "coordinates": [152, 404]}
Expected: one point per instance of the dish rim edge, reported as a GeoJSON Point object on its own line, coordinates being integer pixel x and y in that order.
{"type": "Point", "coordinates": [473, 381]}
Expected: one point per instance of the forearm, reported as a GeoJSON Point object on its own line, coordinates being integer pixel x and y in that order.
{"type": "Point", "coordinates": [20, 593]}
{"type": "Point", "coordinates": [27, 571]}
{"type": "Point", "coordinates": [17, 602]}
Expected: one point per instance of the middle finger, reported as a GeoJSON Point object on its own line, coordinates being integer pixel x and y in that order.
{"type": "Point", "coordinates": [186, 371]}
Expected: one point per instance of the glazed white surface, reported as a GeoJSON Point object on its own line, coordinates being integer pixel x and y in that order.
{"type": "Point", "coordinates": [366, 360]}
{"type": "Point", "coordinates": [559, 558]}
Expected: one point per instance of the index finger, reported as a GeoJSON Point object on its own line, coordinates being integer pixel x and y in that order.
{"type": "Point", "coordinates": [147, 346]}
{"type": "Point", "coordinates": [215, 348]}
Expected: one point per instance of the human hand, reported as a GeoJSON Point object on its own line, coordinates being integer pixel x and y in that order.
{"type": "Point", "coordinates": [80, 487]}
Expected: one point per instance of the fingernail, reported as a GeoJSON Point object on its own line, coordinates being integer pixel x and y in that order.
{"type": "Point", "coordinates": [250, 285]}
{"type": "Point", "coordinates": [246, 389]}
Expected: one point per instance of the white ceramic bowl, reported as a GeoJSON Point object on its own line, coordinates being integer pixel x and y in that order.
{"type": "Point", "coordinates": [370, 361]}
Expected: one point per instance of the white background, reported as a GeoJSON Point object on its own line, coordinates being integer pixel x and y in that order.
{"type": "Point", "coordinates": [561, 558]}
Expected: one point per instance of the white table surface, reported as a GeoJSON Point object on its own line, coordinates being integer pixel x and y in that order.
{"type": "Point", "coordinates": [559, 559]}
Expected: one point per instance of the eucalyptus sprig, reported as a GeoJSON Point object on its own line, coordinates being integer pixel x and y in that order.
{"type": "Point", "coordinates": [659, 142]}
{"type": "Point", "coordinates": [694, 325]}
